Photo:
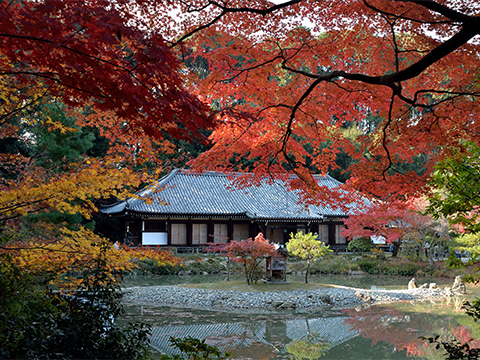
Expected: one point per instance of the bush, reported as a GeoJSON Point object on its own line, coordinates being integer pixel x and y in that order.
{"type": "Point", "coordinates": [149, 266]}
{"type": "Point", "coordinates": [369, 266]}
{"type": "Point", "coordinates": [361, 244]}
{"type": "Point", "coordinates": [329, 265]}
{"type": "Point", "coordinates": [351, 267]}
{"type": "Point", "coordinates": [404, 268]}
{"type": "Point", "coordinates": [47, 324]}
{"type": "Point", "coordinates": [199, 266]}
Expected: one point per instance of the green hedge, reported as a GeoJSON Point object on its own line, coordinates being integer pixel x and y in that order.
{"type": "Point", "coordinates": [336, 264]}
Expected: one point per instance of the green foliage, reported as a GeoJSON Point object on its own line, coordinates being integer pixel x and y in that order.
{"type": "Point", "coordinates": [306, 246]}
{"type": "Point", "coordinates": [457, 184]}
{"type": "Point", "coordinates": [195, 349]}
{"type": "Point", "coordinates": [38, 323]}
{"type": "Point", "coordinates": [329, 265]}
{"type": "Point", "coordinates": [454, 349]}
{"type": "Point", "coordinates": [473, 309]}
{"type": "Point", "coordinates": [467, 242]}
{"type": "Point", "coordinates": [211, 266]}
{"type": "Point", "coordinates": [404, 267]}
{"type": "Point", "coordinates": [361, 244]}
{"type": "Point", "coordinates": [369, 266]}
{"type": "Point", "coordinates": [58, 140]}
{"type": "Point", "coordinates": [309, 348]}
{"type": "Point", "coordinates": [14, 288]}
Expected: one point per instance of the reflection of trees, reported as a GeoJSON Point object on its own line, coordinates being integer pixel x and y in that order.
{"type": "Point", "coordinates": [403, 330]}
{"type": "Point", "coordinates": [253, 350]}
{"type": "Point", "coordinates": [393, 327]}
{"type": "Point", "coordinates": [245, 343]}
{"type": "Point", "coordinates": [309, 347]}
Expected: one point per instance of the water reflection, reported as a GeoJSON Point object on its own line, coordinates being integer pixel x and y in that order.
{"type": "Point", "coordinates": [265, 338]}
{"type": "Point", "coordinates": [379, 332]}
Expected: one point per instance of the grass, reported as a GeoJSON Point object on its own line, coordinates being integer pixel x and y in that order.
{"type": "Point", "coordinates": [241, 285]}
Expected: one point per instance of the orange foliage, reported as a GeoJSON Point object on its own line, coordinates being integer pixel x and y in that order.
{"type": "Point", "coordinates": [60, 262]}
{"type": "Point", "coordinates": [162, 257]}
{"type": "Point", "coordinates": [287, 79]}
{"type": "Point", "coordinates": [102, 68]}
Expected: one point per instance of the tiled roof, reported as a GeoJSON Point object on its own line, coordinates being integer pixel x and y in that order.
{"type": "Point", "coordinates": [211, 194]}
{"type": "Point", "coordinates": [233, 335]}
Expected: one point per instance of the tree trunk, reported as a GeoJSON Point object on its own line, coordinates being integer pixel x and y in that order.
{"type": "Point", "coordinates": [306, 272]}
{"type": "Point", "coordinates": [246, 273]}
{"type": "Point", "coordinates": [228, 268]}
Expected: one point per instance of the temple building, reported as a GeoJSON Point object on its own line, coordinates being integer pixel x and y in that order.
{"type": "Point", "coordinates": [185, 209]}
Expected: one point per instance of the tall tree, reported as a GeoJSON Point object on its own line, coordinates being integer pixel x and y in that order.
{"type": "Point", "coordinates": [68, 68]}
{"type": "Point", "coordinates": [292, 74]}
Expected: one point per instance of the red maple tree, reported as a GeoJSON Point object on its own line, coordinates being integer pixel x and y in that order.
{"type": "Point", "coordinates": [84, 52]}
{"type": "Point", "coordinates": [250, 253]}
{"type": "Point", "coordinates": [397, 221]}
{"type": "Point", "coordinates": [287, 79]}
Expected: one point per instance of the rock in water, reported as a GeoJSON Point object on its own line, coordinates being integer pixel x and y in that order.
{"type": "Point", "coordinates": [412, 284]}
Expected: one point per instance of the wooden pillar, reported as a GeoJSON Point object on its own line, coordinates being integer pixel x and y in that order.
{"type": "Point", "coordinates": [189, 234]}
{"type": "Point", "coordinates": [210, 230]}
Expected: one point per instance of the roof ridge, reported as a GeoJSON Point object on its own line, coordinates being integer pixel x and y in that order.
{"type": "Point", "coordinates": [210, 173]}
{"type": "Point", "coordinates": [181, 171]}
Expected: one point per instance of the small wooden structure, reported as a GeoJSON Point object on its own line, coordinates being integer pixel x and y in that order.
{"type": "Point", "coordinates": [276, 267]}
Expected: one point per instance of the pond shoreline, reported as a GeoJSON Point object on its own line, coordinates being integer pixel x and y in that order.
{"type": "Point", "coordinates": [338, 297]}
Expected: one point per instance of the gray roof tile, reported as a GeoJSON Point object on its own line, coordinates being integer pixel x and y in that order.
{"type": "Point", "coordinates": [211, 194]}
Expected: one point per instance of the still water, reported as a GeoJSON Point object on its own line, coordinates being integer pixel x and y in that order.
{"type": "Point", "coordinates": [390, 331]}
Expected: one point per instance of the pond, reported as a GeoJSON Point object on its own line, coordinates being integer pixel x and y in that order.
{"type": "Point", "coordinates": [388, 331]}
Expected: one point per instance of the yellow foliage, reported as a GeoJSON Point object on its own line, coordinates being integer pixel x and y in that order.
{"type": "Point", "coordinates": [56, 255]}
{"type": "Point", "coordinates": [60, 261]}
{"type": "Point", "coordinates": [377, 251]}
{"type": "Point", "coordinates": [40, 189]}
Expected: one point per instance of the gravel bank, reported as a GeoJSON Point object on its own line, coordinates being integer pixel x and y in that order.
{"type": "Point", "coordinates": [299, 300]}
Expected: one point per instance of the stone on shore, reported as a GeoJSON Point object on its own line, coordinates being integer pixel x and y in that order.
{"type": "Point", "coordinates": [459, 286]}
{"type": "Point", "coordinates": [294, 300]}
{"type": "Point", "coordinates": [364, 297]}
{"type": "Point", "coordinates": [412, 284]}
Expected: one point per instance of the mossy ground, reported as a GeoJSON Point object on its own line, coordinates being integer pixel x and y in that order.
{"type": "Point", "coordinates": [241, 285]}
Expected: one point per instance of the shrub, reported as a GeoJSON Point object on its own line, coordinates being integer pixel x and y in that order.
{"type": "Point", "coordinates": [361, 244]}
{"type": "Point", "coordinates": [329, 265]}
{"type": "Point", "coordinates": [47, 324]}
{"type": "Point", "coordinates": [211, 266]}
{"type": "Point", "coordinates": [150, 266]}
{"type": "Point", "coordinates": [350, 267]}
{"type": "Point", "coordinates": [369, 266]}
{"type": "Point", "coordinates": [405, 268]}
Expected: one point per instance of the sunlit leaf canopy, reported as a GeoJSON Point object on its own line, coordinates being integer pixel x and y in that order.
{"type": "Point", "coordinates": [67, 67]}
{"type": "Point", "coordinates": [286, 79]}
{"type": "Point", "coordinates": [280, 85]}
{"type": "Point", "coordinates": [95, 62]}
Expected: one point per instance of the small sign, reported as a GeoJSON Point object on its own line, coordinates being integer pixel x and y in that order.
{"type": "Point", "coordinates": [279, 265]}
